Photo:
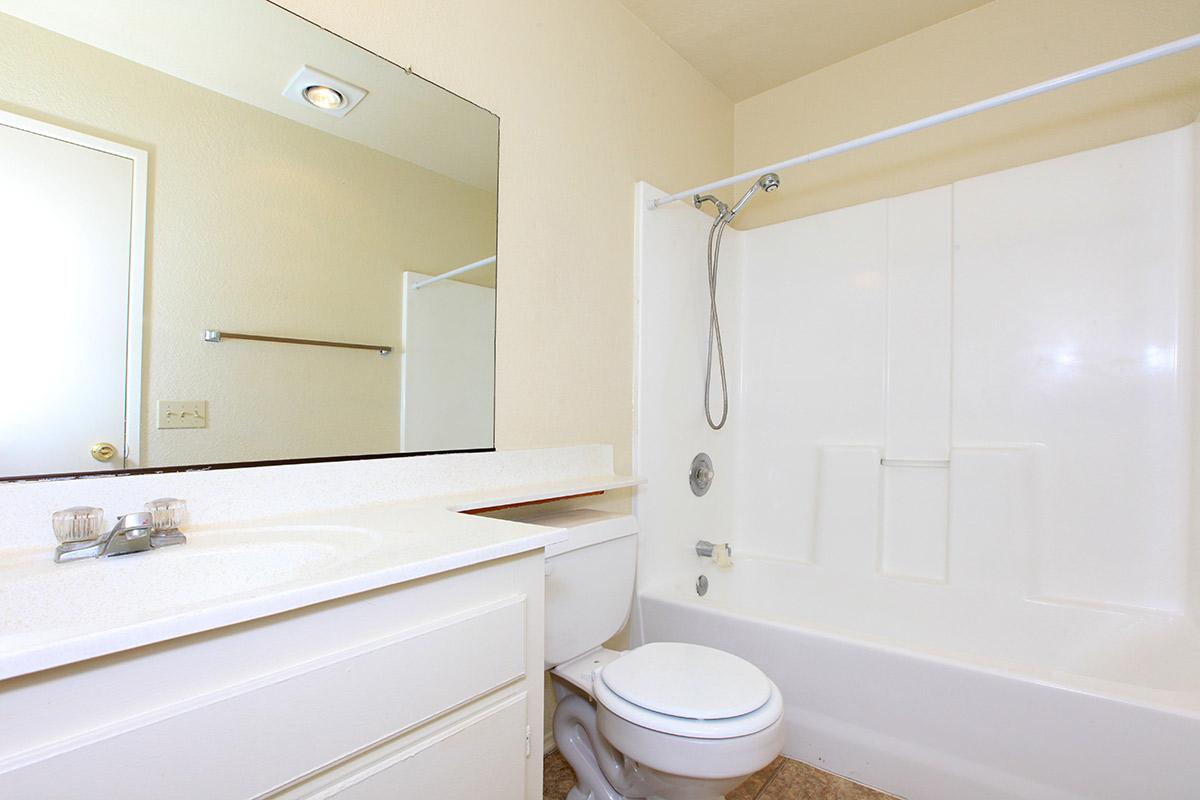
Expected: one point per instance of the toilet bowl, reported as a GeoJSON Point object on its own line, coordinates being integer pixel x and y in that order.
{"type": "Point", "coordinates": [667, 720]}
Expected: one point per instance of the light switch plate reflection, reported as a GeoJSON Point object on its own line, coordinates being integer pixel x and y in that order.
{"type": "Point", "coordinates": [182, 414]}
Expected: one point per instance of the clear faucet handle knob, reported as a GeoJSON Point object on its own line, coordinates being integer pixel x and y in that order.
{"type": "Point", "coordinates": [167, 512]}
{"type": "Point", "coordinates": [77, 524]}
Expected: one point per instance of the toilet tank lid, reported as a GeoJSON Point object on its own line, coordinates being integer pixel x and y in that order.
{"type": "Point", "coordinates": [584, 526]}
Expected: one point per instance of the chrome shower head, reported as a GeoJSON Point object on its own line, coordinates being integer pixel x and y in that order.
{"type": "Point", "coordinates": [768, 182]}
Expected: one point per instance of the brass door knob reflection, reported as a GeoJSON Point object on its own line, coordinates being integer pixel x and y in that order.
{"type": "Point", "coordinates": [103, 451]}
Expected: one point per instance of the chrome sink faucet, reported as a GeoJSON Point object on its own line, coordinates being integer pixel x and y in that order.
{"type": "Point", "coordinates": [79, 530]}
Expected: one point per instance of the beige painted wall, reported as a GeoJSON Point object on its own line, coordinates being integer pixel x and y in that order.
{"type": "Point", "coordinates": [998, 47]}
{"type": "Point", "coordinates": [589, 101]}
{"type": "Point", "coordinates": [241, 203]}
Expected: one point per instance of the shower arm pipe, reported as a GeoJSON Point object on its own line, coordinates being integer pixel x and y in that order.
{"type": "Point", "coordinates": [1132, 60]}
{"type": "Point", "coordinates": [483, 262]}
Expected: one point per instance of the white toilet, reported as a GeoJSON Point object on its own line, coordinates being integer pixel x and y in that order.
{"type": "Point", "coordinates": [665, 720]}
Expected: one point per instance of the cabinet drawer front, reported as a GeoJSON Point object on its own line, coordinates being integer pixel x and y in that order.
{"type": "Point", "coordinates": [247, 740]}
{"type": "Point", "coordinates": [482, 756]}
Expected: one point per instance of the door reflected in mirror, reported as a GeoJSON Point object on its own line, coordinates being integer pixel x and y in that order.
{"type": "Point", "coordinates": [231, 236]}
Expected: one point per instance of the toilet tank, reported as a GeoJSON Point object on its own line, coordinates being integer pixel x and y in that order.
{"type": "Point", "coordinates": [589, 579]}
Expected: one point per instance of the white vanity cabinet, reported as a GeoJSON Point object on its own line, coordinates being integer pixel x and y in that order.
{"type": "Point", "coordinates": [425, 689]}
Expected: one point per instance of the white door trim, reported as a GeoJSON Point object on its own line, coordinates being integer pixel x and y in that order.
{"type": "Point", "coordinates": [137, 263]}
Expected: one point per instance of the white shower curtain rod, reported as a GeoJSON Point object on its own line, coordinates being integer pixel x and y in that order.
{"type": "Point", "coordinates": [1170, 48]}
{"type": "Point", "coordinates": [483, 262]}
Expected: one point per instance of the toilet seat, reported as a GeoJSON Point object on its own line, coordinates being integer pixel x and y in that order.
{"type": "Point", "coordinates": [688, 690]}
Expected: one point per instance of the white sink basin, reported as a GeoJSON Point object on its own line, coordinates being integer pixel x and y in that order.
{"type": "Point", "coordinates": [213, 565]}
{"type": "Point", "coordinates": [55, 614]}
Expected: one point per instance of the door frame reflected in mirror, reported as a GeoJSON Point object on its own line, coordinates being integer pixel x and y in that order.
{"type": "Point", "coordinates": [130, 448]}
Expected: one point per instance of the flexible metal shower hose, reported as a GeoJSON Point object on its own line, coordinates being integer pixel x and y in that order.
{"type": "Point", "coordinates": [714, 325]}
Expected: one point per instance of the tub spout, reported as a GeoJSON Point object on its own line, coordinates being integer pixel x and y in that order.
{"type": "Point", "coordinates": [721, 554]}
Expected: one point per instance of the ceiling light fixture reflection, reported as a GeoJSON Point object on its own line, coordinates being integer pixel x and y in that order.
{"type": "Point", "coordinates": [324, 97]}
{"type": "Point", "coordinates": [313, 88]}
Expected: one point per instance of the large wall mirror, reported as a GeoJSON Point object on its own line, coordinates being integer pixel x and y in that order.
{"type": "Point", "coordinates": [225, 235]}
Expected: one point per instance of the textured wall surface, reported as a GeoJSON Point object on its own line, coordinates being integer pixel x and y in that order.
{"type": "Point", "coordinates": [750, 46]}
{"type": "Point", "coordinates": [1004, 45]}
{"type": "Point", "coordinates": [590, 101]}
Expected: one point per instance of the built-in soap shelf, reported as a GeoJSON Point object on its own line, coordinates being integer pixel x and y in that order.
{"type": "Point", "coordinates": [920, 463]}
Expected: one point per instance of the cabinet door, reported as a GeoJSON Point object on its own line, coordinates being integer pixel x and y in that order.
{"type": "Point", "coordinates": [483, 756]}
{"type": "Point", "coordinates": [245, 741]}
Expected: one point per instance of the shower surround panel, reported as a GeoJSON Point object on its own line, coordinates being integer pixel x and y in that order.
{"type": "Point", "coordinates": [672, 348]}
{"type": "Point", "coordinates": [1017, 334]}
{"type": "Point", "coordinates": [959, 439]}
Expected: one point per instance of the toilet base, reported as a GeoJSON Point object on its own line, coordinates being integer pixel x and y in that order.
{"type": "Point", "coordinates": [604, 773]}
{"type": "Point", "coordinates": [578, 794]}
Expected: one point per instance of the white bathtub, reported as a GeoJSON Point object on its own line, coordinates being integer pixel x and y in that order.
{"type": "Point", "coordinates": [929, 692]}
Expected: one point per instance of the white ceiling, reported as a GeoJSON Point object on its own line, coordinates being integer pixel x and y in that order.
{"type": "Point", "coordinates": [748, 46]}
{"type": "Point", "coordinates": [250, 50]}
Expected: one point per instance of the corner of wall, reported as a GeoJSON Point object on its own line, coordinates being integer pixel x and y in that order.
{"type": "Point", "coordinates": [1194, 390]}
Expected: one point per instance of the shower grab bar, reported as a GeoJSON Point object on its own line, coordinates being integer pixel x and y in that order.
{"type": "Point", "coordinates": [218, 336]}
{"type": "Point", "coordinates": [920, 463]}
{"type": "Point", "coordinates": [1132, 60]}
{"type": "Point", "coordinates": [483, 262]}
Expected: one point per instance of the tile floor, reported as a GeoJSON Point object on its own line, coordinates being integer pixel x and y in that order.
{"type": "Point", "coordinates": [782, 779]}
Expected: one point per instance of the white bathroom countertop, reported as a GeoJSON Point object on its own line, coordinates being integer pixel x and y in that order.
{"type": "Point", "coordinates": [55, 614]}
